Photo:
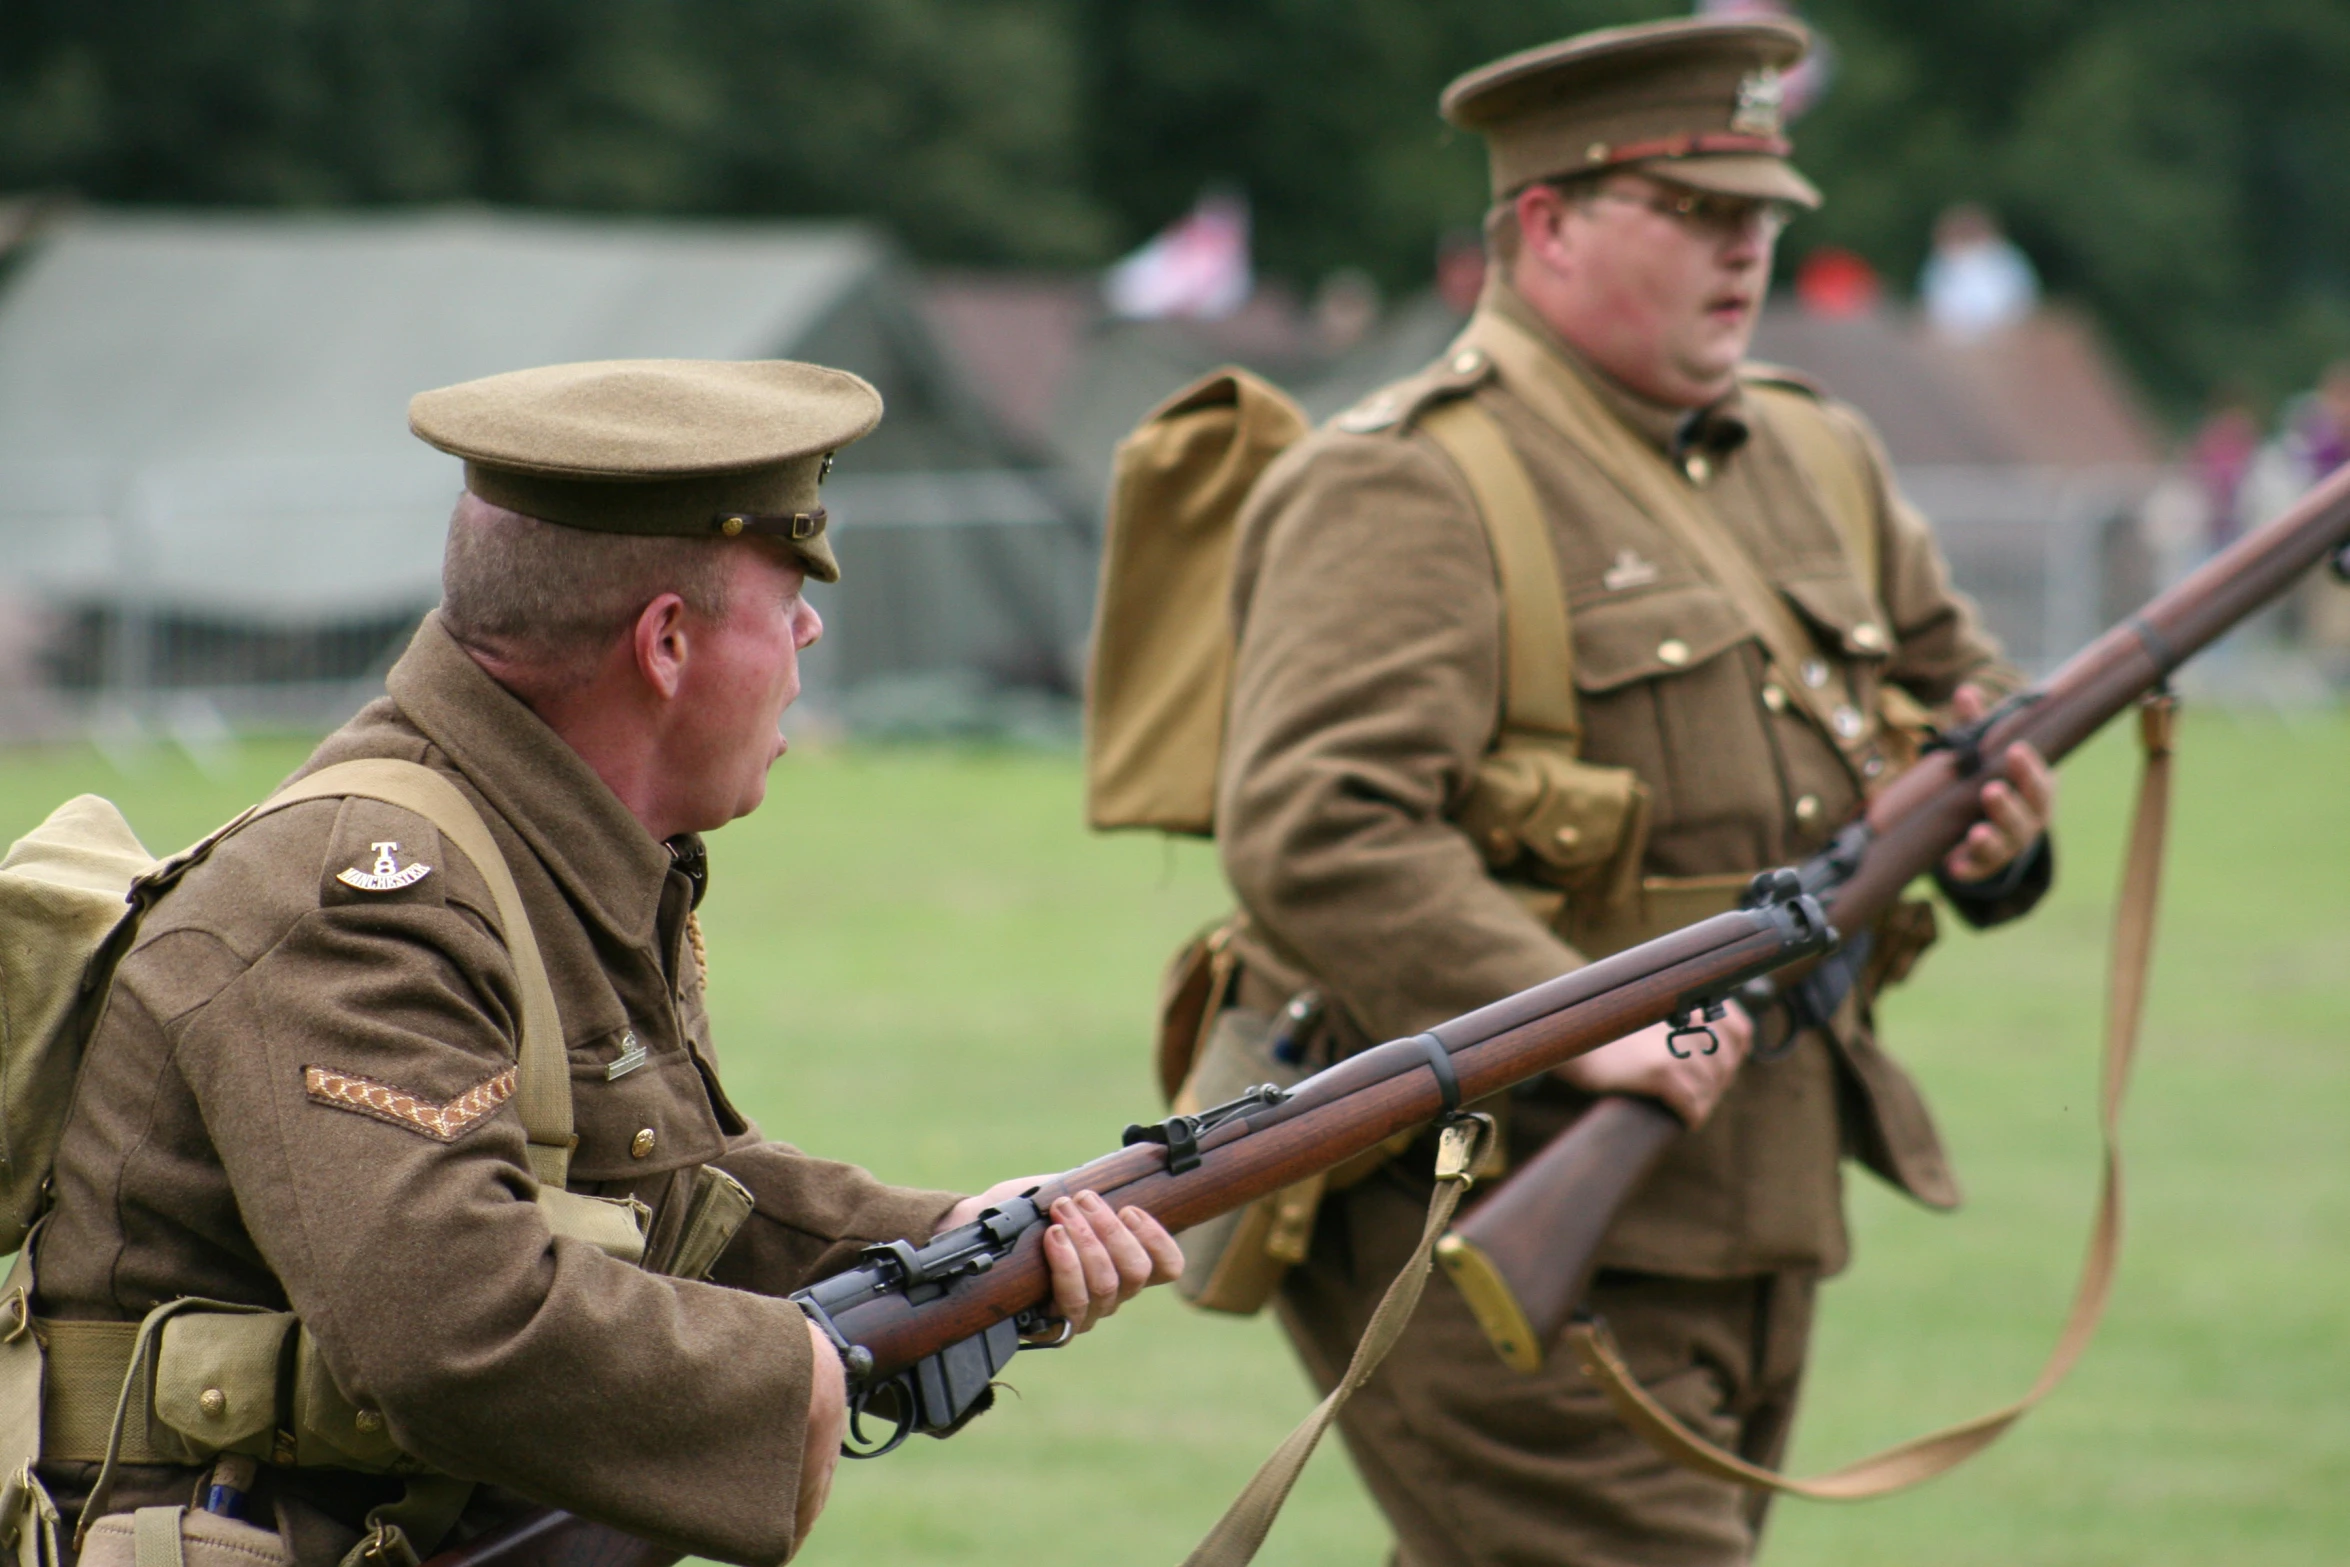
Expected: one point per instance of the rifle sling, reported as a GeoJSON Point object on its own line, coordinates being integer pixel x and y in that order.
{"type": "Point", "coordinates": [1241, 1531]}
{"type": "Point", "coordinates": [1898, 1468]}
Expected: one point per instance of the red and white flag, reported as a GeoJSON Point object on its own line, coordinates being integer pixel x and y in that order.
{"type": "Point", "coordinates": [1197, 269]}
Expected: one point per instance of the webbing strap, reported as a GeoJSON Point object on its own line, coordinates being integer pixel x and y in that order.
{"type": "Point", "coordinates": [1560, 397]}
{"type": "Point", "coordinates": [1239, 1534]}
{"type": "Point", "coordinates": [155, 1537]}
{"type": "Point", "coordinates": [1922, 1459]}
{"type": "Point", "coordinates": [543, 1094]}
{"type": "Point", "coordinates": [1538, 689]}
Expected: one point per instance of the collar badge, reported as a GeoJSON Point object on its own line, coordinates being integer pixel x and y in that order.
{"type": "Point", "coordinates": [1629, 571]}
{"type": "Point", "coordinates": [1762, 96]}
{"type": "Point", "coordinates": [389, 874]}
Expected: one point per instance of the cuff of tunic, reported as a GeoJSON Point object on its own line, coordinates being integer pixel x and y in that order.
{"type": "Point", "coordinates": [2012, 893]}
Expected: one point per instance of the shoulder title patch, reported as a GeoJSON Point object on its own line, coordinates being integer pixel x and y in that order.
{"type": "Point", "coordinates": [389, 874]}
{"type": "Point", "coordinates": [442, 1123]}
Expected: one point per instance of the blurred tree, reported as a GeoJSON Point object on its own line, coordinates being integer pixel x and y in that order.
{"type": "Point", "coordinates": [951, 120]}
{"type": "Point", "coordinates": [2180, 166]}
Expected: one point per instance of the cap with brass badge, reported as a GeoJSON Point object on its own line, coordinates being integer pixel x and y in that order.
{"type": "Point", "coordinates": [1699, 102]}
{"type": "Point", "coordinates": [677, 447]}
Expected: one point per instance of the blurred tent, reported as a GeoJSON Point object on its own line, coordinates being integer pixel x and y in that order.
{"type": "Point", "coordinates": [208, 490]}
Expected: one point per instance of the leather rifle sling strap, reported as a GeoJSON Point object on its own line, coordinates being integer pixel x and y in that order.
{"type": "Point", "coordinates": [1922, 1459]}
{"type": "Point", "coordinates": [543, 1091]}
{"type": "Point", "coordinates": [1554, 392]}
{"type": "Point", "coordinates": [1538, 697]}
{"type": "Point", "coordinates": [1237, 1536]}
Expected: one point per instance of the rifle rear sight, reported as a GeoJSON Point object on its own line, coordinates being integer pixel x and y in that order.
{"type": "Point", "coordinates": [1179, 1134]}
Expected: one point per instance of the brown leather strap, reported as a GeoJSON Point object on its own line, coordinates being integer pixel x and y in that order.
{"type": "Point", "coordinates": [1235, 1540]}
{"type": "Point", "coordinates": [1901, 1467]}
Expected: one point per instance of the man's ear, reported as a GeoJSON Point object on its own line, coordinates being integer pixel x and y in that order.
{"type": "Point", "coordinates": [661, 643]}
{"type": "Point", "coordinates": [1542, 213]}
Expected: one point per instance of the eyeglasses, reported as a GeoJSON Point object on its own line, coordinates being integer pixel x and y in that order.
{"type": "Point", "coordinates": [1708, 213]}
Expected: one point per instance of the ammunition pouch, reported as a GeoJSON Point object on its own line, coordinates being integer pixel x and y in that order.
{"type": "Point", "coordinates": [1540, 814]}
{"type": "Point", "coordinates": [1234, 1262]}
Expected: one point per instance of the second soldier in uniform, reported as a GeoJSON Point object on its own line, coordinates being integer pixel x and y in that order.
{"type": "Point", "coordinates": [1640, 177]}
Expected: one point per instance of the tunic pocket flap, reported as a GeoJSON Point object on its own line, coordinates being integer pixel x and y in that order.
{"type": "Point", "coordinates": [1667, 632]}
{"type": "Point", "coordinates": [1569, 814]}
{"type": "Point", "coordinates": [217, 1377]}
{"type": "Point", "coordinates": [1838, 609]}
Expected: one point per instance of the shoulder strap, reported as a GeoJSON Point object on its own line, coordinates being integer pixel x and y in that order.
{"type": "Point", "coordinates": [1562, 400]}
{"type": "Point", "coordinates": [544, 1093]}
{"type": "Point", "coordinates": [1539, 684]}
{"type": "Point", "coordinates": [1830, 459]}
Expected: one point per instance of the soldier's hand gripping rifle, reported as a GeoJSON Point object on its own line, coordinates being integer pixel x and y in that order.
{"type": "Point", "coordinates": [923, 1330]}
{"type": "Point", "coordinates": [1524, 1256]}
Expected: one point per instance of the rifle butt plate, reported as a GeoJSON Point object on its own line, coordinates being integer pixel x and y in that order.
{"type": "Point", "coordinates": [1492, 1302]}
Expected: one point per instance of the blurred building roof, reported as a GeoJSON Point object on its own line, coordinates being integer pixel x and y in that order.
{"type": "Point", "coordinates": [207, 413]}
{"type": "Point", "coordinates": [2040, 393]}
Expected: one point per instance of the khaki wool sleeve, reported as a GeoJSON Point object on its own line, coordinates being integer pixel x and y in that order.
{"type": "Point", "coordinates": [1940, 641]}
{"type": "Point", "coordinates": [1367, 684]}
{"type": "Point", "coordinates": [813, 1216]}
{"type": "Point", "coordinates": [350, 1078]}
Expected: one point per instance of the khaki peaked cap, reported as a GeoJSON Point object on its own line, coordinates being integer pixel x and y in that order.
{"type": "Point", "coordinates": [1696, 102]}
{"type": "Point", "coordinates": [689, 448]}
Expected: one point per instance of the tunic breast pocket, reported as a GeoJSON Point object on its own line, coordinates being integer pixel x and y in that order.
{"type": "Point", "coordinates": [640, 1108]}
{"type": "Point", "coordinates": [1671, 689]}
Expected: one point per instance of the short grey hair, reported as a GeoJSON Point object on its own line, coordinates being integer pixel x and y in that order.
{"type": "Point", "coordinates": [553, 598]}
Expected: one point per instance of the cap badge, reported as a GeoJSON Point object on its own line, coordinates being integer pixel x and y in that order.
{"type": "Point", "coordinates": [389, 874]}
{"type": "Point", "coordinates": [1761, 98]}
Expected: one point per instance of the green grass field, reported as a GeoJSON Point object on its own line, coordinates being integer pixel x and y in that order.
{"type": "Point", "coordinates": [922, 962]}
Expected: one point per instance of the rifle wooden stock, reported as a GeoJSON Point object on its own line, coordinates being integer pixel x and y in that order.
{"type": "Point", "coordinates": [1523, 1257]}
{"type": "Point", "coordinates": [1327, 1119]}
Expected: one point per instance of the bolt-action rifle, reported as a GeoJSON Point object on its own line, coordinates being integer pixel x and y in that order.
{"type": "Point", "coordinates": [1524, 1256]}
{"type": "Point", "coordinates": [923, 1330]}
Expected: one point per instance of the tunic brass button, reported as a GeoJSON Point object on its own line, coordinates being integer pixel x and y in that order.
{"type": "Point", "coordinates": [1867, 635]}
{"type": "Point", "coordinates": [731, 527]}
{"type": "Point", "coordinates": [641, 1145]}
{"type": "Point", "coordinates": [369, 1421]}
{"type": "Point", "coordinates": [1775, 699]}
{"type": "Point", "coordinates": [1698, 466]}
{"type": "Point", "coordinates": [1814, 673]}
{"type": "Point", "coordinates": [1567, 837]}
{"type": "Point", "coordinates": [1872, 767]}
{"type": "Point", "coordinates": [1466, 360]}
{"type": "Point", "coordinates": [1846, 721]}
{"type": "Point", "coordinates": [1673, 651]}
{"type": "Point", "coordinates": [1807, 808]}
{"type": "Point", "coordinates": [213, 1402]}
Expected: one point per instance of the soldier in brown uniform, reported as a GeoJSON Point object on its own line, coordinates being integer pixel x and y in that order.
{"type": "Point", "coordinates": [1640, 180]}
{"type": "Point", "coordinates": [300, 1095]}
